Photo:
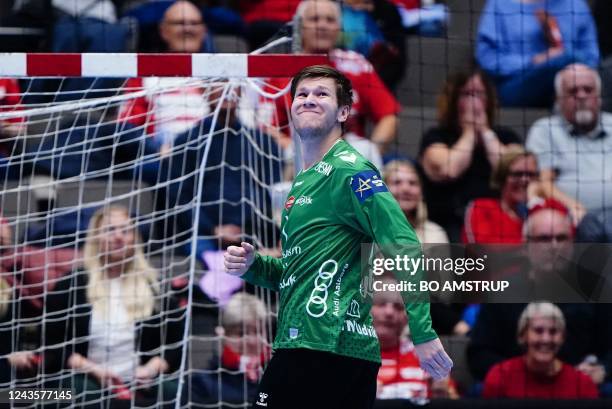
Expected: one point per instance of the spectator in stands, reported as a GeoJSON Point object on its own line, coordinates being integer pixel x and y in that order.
{"type": "Point", "coordinates": [319, 32]}
{"type": "Point", "coordinates": [405, 185]}
{"type": "Point", "coordinates": [374, 29]}
{"type": "Point", "coordinates": [87, 27]}
{"type": "Point", "coordinates": [573, 145]}
{"type": "Point", "coordinates": [110, 325]}
{"type": "Point", "coordinates": [265, 18]}
{"type": "Point", "coordinates": [587, 333]}
{"type": "Point", "coordinates": [459, 154]}
{"type": "Point", "coordinates": [238, 169]}
{"type": "Point", "coordinates": [9, 128]}
{"type": "Point", "coordinates": [233, 376]}
{"type": "Point", "coordinates": [522, 44]}
{"type": "Point", "coordinates": [89, 144]}
{"type": "Point", "coordinates": [500, 220]}
{"type": "Point", "coordinates": [79, 27]}
{"type": "Point", "coordinates": [400, 375]}
{"type": "Point", "coordinates": [539, 373]}
{"type": "Point", "coordinates": [168, 113]}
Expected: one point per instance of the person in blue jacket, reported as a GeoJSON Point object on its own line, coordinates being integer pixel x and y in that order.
{"type": "Point", "coordinates": [522, 44]}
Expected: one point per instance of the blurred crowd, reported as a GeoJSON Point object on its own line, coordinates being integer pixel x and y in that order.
{"type": "Point", "coordinates": [473, 182]}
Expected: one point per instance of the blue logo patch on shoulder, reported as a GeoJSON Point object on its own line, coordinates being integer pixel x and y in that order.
{"type": "Point", "coordinates": [366, 184]}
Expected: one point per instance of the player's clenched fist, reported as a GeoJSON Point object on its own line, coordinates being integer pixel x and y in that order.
{"type": "Point", "coordinates": [237, 260]}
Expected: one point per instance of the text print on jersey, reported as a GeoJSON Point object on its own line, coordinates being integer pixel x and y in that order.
{"type": "Point", "coordinates": [322, 282]}
{"type": "Point", "coordinates": [366, 184]}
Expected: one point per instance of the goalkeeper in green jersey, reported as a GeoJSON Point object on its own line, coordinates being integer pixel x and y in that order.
{"type": "Point", "coordinates": [326, 350]}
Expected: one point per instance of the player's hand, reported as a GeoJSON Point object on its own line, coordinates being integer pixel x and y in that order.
{"type": "Point", "coordinates": [238, 260]}
{"type": "Point", "coordinates": [434, 360]}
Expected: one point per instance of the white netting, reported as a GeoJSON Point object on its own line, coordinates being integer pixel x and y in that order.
{"type": "Point", "coordinates": [191, 163]}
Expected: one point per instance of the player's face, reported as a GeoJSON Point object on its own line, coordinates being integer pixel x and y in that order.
{"type": "Point", "coordinates": [404, 185]}
{"type": "Point", "coordinates": [522, 172]}
{"type": "Point", "coordinates": [580, 102]}
{"type": "Point", "coordinates": [543, 339]}
{"type": "Point", "coordinates": [320, 27]}
{"type": "Point", "coordinates": [389, 317]}
{"type": "Point", "coordinates": [117, 237]}
{"type": "Point", "coordinates": [314, 110]}
{"type": "Point", "coordinates": [182, 29]}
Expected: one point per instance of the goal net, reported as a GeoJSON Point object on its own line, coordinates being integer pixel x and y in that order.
{"type": "Point", "coordinates": [117, 201]}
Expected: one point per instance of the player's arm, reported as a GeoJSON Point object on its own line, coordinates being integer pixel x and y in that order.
{"type": "Point", "coordinates": [243, 261]}
{"type": "Point", "coordinates": [378, 215]}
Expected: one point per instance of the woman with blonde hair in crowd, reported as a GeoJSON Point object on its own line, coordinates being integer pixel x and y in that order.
{"type": "Point", "coordinates": [404, 183]}
{"type": "Point", "coordinates": [118, 333]}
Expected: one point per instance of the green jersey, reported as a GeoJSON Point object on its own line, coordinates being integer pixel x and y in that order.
{"type": "Point", "coordinates": [333, 207]}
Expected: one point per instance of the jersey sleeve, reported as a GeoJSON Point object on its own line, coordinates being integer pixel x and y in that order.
{"type": "Point", "coordinates": [375, 212]}
{"type": "Point", "coordinates": [265, 272]}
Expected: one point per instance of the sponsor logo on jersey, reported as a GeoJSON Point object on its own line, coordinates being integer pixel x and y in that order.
{"type": "Point", "coordinates": [338, 290]}
{"type": "Point", "coordinates": [304, 200]}
{"type": "Point", "coordinates": [323, 168]}
{"type": "Point", "coordinates": [353, 310]}
{"type": "Point", "coordinates": [366, 184]}
{"type": "Point", "coordinates": [292, 251]}
{"type": "Point", "coordinates": [361, 329]}
{"type": "Point", "coordinates": [290, 201]}
{"type": "Point", "coordinates": [298, 183]}
{"type": "Point", "coordinates": [317, 302]}
{"type": "Point", "coordinates": [288, 282]}
{"type": "Point", "coordinates": [346, 156]}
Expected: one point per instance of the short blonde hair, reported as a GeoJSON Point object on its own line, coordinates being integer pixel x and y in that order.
{"type": "Point", "coordinates": [241, 309]}
{"type": "Point", "coordinates": [540, 309]}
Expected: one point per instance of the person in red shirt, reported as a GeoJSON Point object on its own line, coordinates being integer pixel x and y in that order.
{"type": "Point", "coordinates": [500, 220]}
{"type": "Point", "coordinates": [400, 375]}
{"type": "Point", "coordinates": [539, 374]}
{"type": "Point", "coordinates": [372, 101]}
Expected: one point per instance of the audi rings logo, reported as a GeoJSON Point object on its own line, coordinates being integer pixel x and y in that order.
{"type": "Point", "coordinates": [317, 303]}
